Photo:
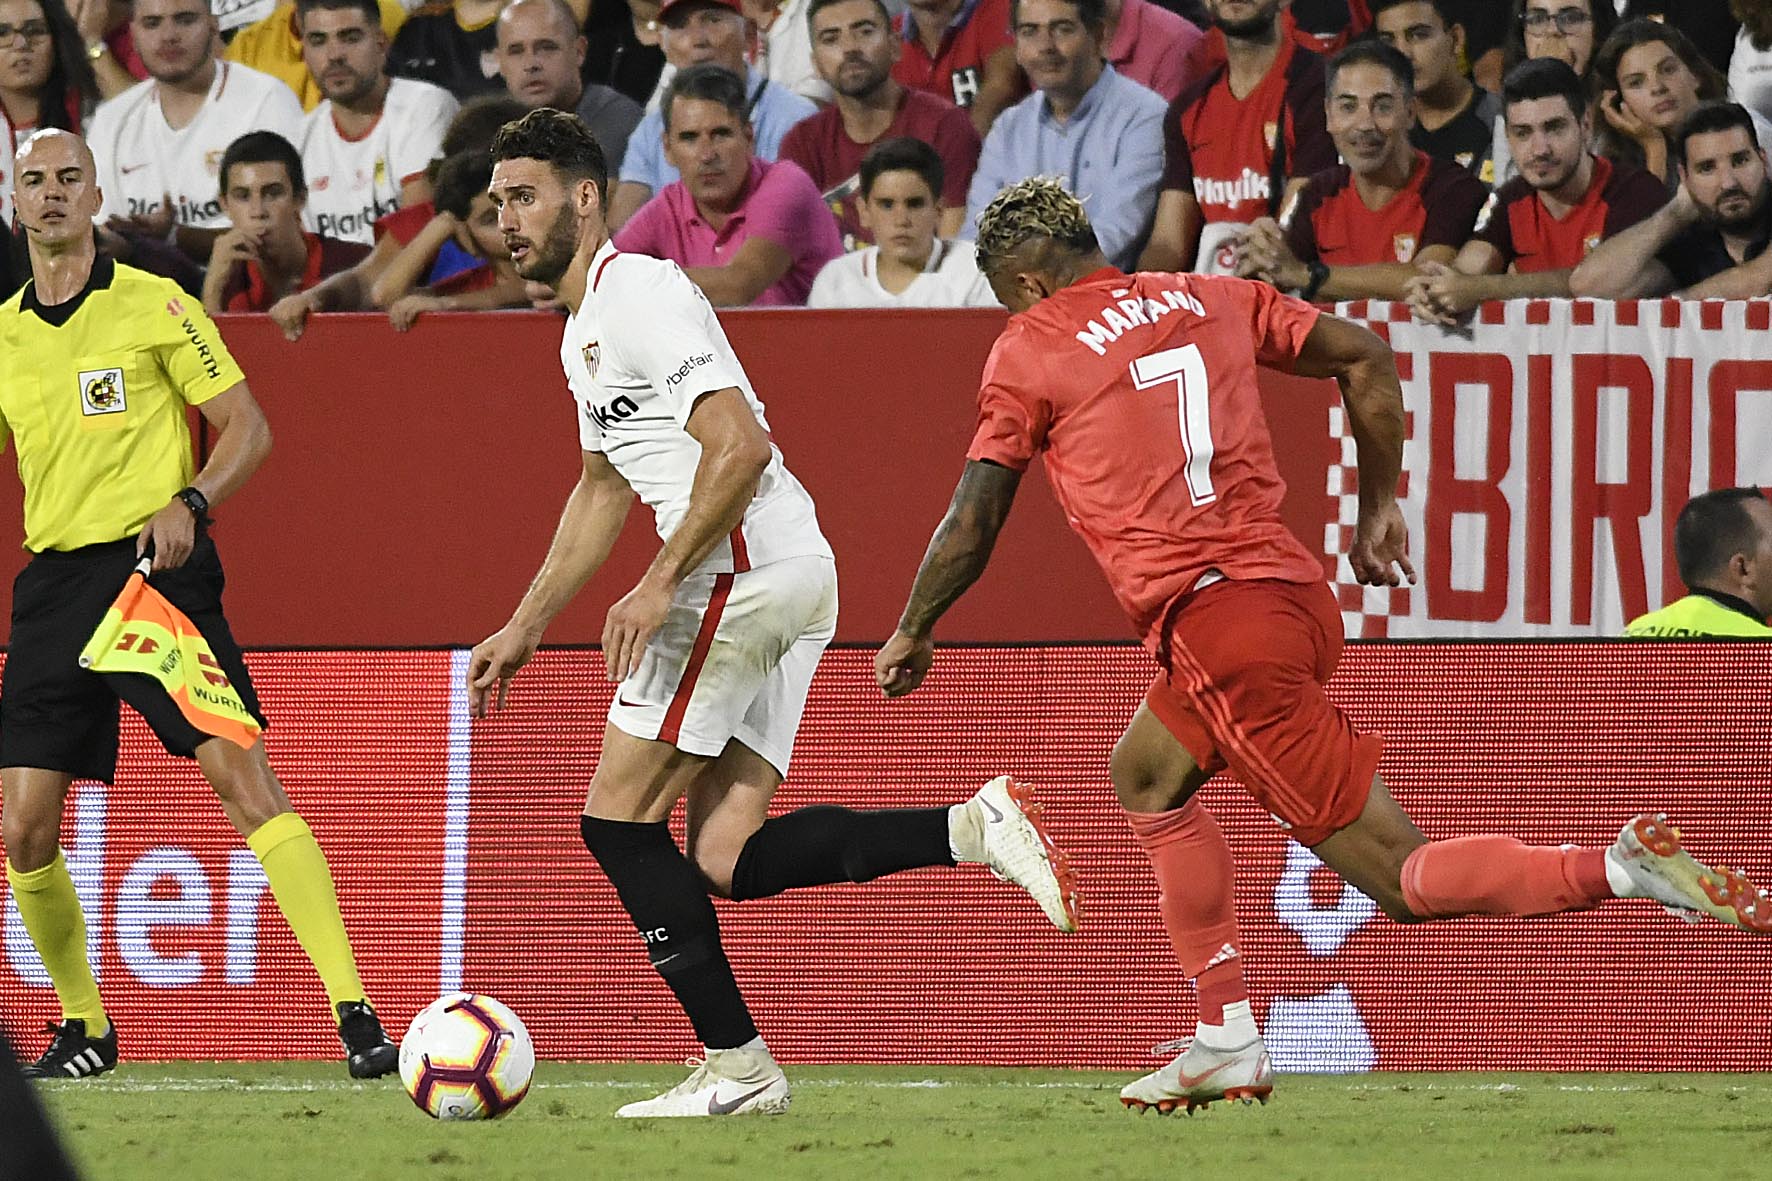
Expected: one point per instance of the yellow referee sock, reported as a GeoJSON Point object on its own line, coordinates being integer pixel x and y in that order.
{"type": "Point", "coordinates": [302, 885]}
{"type": "Point", "coordinates": [51, 911]}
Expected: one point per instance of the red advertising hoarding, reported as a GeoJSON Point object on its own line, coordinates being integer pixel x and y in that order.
{"type": "Point", "coordinates": [456, 850]}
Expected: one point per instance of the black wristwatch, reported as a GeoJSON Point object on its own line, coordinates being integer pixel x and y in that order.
{"type": "Point", "coordinates": [1319, 272]}
{"type": "Point", "coordinates": [196, 502]}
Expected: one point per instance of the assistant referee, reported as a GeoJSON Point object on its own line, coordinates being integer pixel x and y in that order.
{"type": "Point", "coordinates": [98, 362]}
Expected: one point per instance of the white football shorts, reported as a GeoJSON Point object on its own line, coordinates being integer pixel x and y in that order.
{"type": "Point", "coordinates": [734, 659]}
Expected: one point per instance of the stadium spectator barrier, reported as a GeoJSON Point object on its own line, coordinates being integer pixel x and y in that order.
{"type": "Point", "coordinates": [418, 477]}
{"type": "Point", "coordinates": [457, 854]}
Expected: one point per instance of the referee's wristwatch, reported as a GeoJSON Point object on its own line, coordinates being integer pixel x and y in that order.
{"type": "Point", "coordinates": [196, 502]}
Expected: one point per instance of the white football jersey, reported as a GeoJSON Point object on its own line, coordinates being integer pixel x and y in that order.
{"type": "Point", "coordinates": [9, 147]}
{"type": "Point", "coordinates": [141, 159]}
{"type": "Point", "coordinates": [950, 279]}
{"type": "Point", "coordinates": [351, 182]}
{"type": "Point", "coordinates": [641, 350]}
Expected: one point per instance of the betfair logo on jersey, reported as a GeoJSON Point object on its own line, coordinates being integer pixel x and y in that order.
{"type": "Point", "coordinates": [689, 366]}
{"type": "Point", "coordinates": [1121, 317]}
{"type": "Point", "coordinates": [607, 416]}
{"type": "Point", "coordinates": [1251, 186]}
{"type": "Point", "coordinates": [101, 392]}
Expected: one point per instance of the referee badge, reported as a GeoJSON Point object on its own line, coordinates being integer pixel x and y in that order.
{"type": "Point", "coordinates": [102, 392]}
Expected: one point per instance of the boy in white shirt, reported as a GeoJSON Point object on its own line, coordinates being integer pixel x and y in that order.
{"type": "Point", "coordinates": [908, 266]}
{"type": "Point", "coordinates": [366, 147]}
{"type": "Point", "coordinates": [159, 144]}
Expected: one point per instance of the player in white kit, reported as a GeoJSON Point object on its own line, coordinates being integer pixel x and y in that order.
{"type": "Point", "coordinates": [715, 648]}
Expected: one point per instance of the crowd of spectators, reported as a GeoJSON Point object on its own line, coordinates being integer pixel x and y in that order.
{"type": "Point", "coordinates": [295, 156]}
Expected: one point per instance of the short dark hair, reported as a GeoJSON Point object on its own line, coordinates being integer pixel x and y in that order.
{"type": "Point", "coordinates": [1711, 529]}
{"type": "Point", "coordinates": [479, 120]}
{"type": "Point", "coordinates": [368, 8]}
{"type": "Point", "coordinates": [263, 147]}
{"type": "Point", "coordinates": [902, 154]}
{"type": "Point", "coordinates": [1602, 12]}
{"type": "Point", "coordinates": [1714, 116]}
{"type": "Point", "coordinates": [461, 178]}
{"type": "Point", "coordinates": [1372, 53]}
{"type": "Point", "coordinates": [557, 139]}
{"type": "Point", "coordinates": [818, 6]}
{"type": "Point", "coordinates": [1093, 13]}
{"type": "Point", "coordinates": [1444, 9]}
{"type": "Point", "coordinates": [708, 83]}
{"type": "Point", "coordinates": [1544, 77]}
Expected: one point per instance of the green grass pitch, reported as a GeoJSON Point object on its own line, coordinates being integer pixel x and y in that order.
{"type": "Point", "coordinates": [302, 1121]}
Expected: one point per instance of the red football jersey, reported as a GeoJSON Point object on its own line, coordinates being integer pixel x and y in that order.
{"type": "Point", "coordinates": [1517, 224]}
{"type": "Point", "coordinates": [1140, 391]}
{"type": "Point", "coordinates": [956, 71]}
{"type": "Point", "coordinates": [1327, 221]}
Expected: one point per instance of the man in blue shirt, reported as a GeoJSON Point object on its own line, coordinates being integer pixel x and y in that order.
{"type": "Point", "coordinates": [698, 31]}
{"type": "Point", "coordinates": [1101, 132]}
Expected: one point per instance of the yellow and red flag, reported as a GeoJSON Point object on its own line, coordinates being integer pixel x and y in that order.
{"type": "Point", "coordinates": [143, 633]}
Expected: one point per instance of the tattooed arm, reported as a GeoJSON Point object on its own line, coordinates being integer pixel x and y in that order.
{"type": "Point", "coordinates": [956, 556]}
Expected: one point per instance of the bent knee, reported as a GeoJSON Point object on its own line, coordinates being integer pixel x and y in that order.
{"type": "Point", "coordinates": [1145, 786]}
{"type": "Point", "coordinates": [30, 843]}
{"type": "Point", "coordinates": [715, 860]}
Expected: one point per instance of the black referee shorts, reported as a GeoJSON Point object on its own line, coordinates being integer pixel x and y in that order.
{"type": "Point", "coordinates": [61, 717]}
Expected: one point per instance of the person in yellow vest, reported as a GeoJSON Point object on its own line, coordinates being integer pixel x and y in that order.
{"type": "Point", "coordinates": [101, 361]}
{"type": "Point", "coordinates": [1723, 544]}
{"type": "Point", "coordinates": [273, 45]}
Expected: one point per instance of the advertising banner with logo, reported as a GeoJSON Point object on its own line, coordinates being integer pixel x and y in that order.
{"type": "Point", "coordinates": [1551, 445]}
{"type": "Point", "coordinates": [456, 850]}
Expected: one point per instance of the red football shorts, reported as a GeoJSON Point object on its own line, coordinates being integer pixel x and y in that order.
{"type": "Point", "coordinates": [1243, 691]}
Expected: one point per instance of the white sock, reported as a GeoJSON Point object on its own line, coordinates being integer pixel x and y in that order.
{"type": "Point", "coordinates": [965, 834]}
{"type": "Point", "coordinates": [1238, 1028]}
{"type": "Point", "coordinates": [1618, 879]}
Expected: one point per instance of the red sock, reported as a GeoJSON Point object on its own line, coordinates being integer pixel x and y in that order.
{"type": "Point", "coordinates": [1499, 875]}
{"type": "Point", "coordinates": [1195, 877]}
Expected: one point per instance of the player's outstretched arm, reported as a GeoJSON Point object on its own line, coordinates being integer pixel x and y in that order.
{"type": "Point", "coordinates": [956, 556]}
{"type": "Point", "coordinates": [589, 525]}
{"type": "Point", "coordinates": [1362, 365]}
{"type": "Point", "coordinates": [735, 451]}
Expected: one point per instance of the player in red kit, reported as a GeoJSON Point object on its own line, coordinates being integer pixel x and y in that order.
{"type": "Point", "coordinates": [1140, 393]}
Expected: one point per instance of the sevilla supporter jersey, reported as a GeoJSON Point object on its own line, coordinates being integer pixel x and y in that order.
{"type": "Point", "coordinates": [1529, 238]}
{"type": "Point", "coordinates": [1140, 391]}
{"type": "Point", "coordinates": [956, 70]}
{"type": "Point", "coordinates": [822, 147]}
{"type": "Point", "coordinates": [1229, 151]}
{"type": "Point", "coordinates": [352, 182]}
{"type": "Point", "coordinates": [641, 350]}
{"type": "Point", "coordinates": [142, 159]}
{"type": "Point", "coordinates": [1328, 221]}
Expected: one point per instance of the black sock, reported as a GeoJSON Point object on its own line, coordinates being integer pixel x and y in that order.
{"type": "Point", "coordinates": [669, 905]}
{"type": "Point", "coordinates": [815, 846]}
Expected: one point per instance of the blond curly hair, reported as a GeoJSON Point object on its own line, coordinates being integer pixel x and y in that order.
{"type": "Point", "coordinates": [1039, 207]}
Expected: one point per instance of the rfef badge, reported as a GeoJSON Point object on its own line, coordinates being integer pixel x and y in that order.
{"type": "Point", "coordinates": [102, 392]}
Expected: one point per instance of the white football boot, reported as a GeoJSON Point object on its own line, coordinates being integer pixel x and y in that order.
{"type": "Point", "coordinates": [1008, 837]}
{"type": "Point", "coordinates": [726, 1082]}
{"type": "Point", "coordinates": [1646, 861]}
{"type": "Point", "coordinates": [1200, 1075]}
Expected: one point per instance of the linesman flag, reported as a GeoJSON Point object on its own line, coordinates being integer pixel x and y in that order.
{"type": "Point", "coordinates": [143, 633]}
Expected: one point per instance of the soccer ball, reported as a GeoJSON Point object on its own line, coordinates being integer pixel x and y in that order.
{"type": "Point", "coordinates": [466, 1057]}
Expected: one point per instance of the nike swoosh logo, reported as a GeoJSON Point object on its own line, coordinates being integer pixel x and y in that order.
{"type": "Point", "coordinates": [1189, 1082]}
{"type": "Point", "coordinates": [715, 1107]}
{"type": "Point", "coordinates": [996, 816]}
{"type": "Point", "coordinates": [626, 704]}
{"type": "Point", "coordinates": [129, 168]}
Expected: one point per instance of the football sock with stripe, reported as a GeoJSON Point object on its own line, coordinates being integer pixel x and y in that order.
{"type": "Point", "coordinates": [1195, 882]}
{"type": "Point", "coordinates": [820, 845]}
{"type": "Point", "coordinates": [669, 905]}
{"type": "Point", "coordinates": [301, 882]}
{"type": "Point", "coordinates": [1500, 875]}
{"type": "Point", "coordinates": [51, 912]}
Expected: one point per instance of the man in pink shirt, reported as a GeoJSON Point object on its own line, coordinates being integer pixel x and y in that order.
{"type": "Point", "coordinates": [747, 232]}
{"type": "Point", "coordinates": [1151, 45]}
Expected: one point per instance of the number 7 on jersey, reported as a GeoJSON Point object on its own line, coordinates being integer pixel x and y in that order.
{"type": "Point", "coordinates": [1187, 369]}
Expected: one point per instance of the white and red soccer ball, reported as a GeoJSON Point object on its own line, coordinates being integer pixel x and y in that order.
{"type": "Point", "coordinates": [466, 1057]}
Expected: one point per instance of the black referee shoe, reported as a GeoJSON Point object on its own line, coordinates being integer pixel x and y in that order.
{"type": "Point", "coordinates": [71, 1054]}
{"type": "Point", "coordinates": [368, 1052]}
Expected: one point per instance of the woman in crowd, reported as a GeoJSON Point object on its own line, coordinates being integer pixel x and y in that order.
{"type": "Point", "coordinates": [1568, 29]}
{"type": "Point", "coordinates": [1648, 77]}
{"type": "Point", "coordinates": [46, 79]}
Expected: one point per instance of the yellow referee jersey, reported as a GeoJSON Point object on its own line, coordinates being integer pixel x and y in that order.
{"type": "Point", "coordinates": [93, 394]}
{"type": "Point", "coordinates": [1697, 616]}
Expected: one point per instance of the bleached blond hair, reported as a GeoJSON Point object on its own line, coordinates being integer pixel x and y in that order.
{"type": "Point", "coordinates": [1037, 208]}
